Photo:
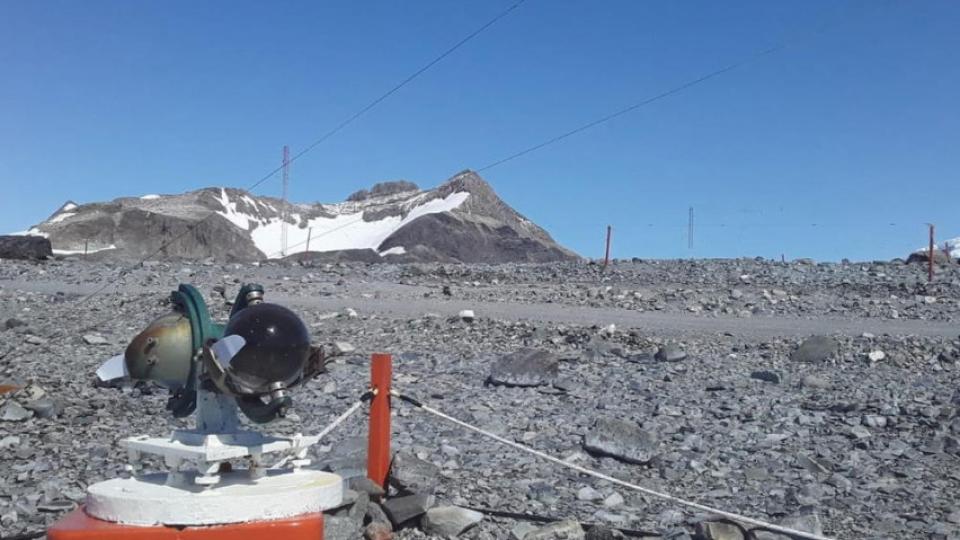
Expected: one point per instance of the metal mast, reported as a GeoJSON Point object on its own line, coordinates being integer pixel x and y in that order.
{"type": "Point", "coordinates": [283, 211]}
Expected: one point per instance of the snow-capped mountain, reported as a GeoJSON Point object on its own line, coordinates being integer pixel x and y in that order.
{"type": "Point", "coordinates": [461, 220]}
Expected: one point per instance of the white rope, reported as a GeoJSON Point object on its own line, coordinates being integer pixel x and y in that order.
{"type": "Point", "coordinates": [595, 474]}
{"type": "Point", "coordinates": [332, 426]}
{"type": "Point", "coordinates": [340, 419]}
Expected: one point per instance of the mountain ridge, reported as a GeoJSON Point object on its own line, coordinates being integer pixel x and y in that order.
{"type": "Point", "coordinates": [462, 220]}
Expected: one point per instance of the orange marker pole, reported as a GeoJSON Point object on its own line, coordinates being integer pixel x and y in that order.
{"type": "Point", "coordinates": [378, 442]}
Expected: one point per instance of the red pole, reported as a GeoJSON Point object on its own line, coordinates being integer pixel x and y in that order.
{"type": "Point", "coordinates": [930, 256]}
{"type": "Point", "coordinates": [606, 258]}
{"type": "Point", "coordinates": [378, 442]}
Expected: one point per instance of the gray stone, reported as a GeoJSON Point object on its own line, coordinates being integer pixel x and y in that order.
{"type": "Point", "coordinates": [95, 339]}
{"type": "Point", "coordinates": [622, 440]}
{"type": "Point", "coordinates": [362, 484]}
{"type": "Point", "coordinates": [719, 530]}
{"type": "Point", "coordinates": [560, 530]}
{"type": "Point", "coordinates": [812, 381]}
{"type": "Point", "coordinates": [376, 514]}
{"type": "Point", "coordinates": [521, 529]}
{"type": "Point", "coordinates": [670, 353]}
{"type": "Point", "coordinates": [25, 247]}
{"type": "Point", "coordinates": [766, 375]}
{"type": "Point", "coordinates": [401, 510]}
{"type": "Point", "coordinates": [13, 322]}
{"type": "Point", "coordinates": [341, 528]}
{"type": "Point", "coordinates": [9, 441]}
{"type": "Point", "coordinates": [598, 532]}
{"type": "Point", "coordinates": [11, 411]}
{"type": "Point", "coordinates": [449, 520]}
{"type": "Point", "coordinates": [525, 367]}
{"type": "Point", "coordinates": [342, 347]}
{"type": "Point", "coordinates": [587, 493]}
{"type": "Point", "coordinates": [410, 474]}
{"type": "Point", "coordinates": [44, 407]}
{"type": "Point", "coordinates": [815, 349]}
{"type": "Point", "coordinates": [806, 520]}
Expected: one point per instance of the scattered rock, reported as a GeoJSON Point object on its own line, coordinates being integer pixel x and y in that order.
{"type": "Point", "coordinates": [410, 474]}
{"type": "Point", "coordinates": [766, 375]}
{"type": "Point", "coordinates": [815, 349]}
{"type": "Point", "coordinates": [587, 493]}
{"type": "Point", "coordinates": [339, 348]}
{"type": "Point", "coordinates": [526, 367]}
{"type": "Point", "coordinates": [95, 339]}
{"type": "Point", "coordinates": [466, 315]}
{"type": "Point", "coordinates": [719, 530]}
{"type": "Point", "coordinates": [11, 411]}
{"type": "Point", "coordinates": [377, 531]}
{"type": "Point", "coordinates": [670, 353]}
{"type": "Point", "coordinates": [622, 440]}
{"type": "Point", "coordinates": [25, 247]}
{"type": "Point", "coordinates": [13, 322]}
{"type": "Point", "coordinates": [402, 510]}
{"type": "Point", "coordinates": [449, 521]}
{"type": "Point", "coordinates": [561, 530]}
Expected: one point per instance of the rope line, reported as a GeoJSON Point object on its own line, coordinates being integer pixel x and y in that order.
{"type": "Point", "coordinates": [341, 419]}
{"type": "Point", "coordinates": [595, 474]}
{"type": "Point", "coordinates": [680, 88]}
{"type": "Point", "coordinates": [367, 396]}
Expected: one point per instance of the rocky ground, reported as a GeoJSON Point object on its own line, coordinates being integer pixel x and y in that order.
{"type": "Point", "coordinates": [855, 433]}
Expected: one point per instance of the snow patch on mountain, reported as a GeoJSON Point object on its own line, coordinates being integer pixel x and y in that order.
{"type": "Point", "coordinates": [62, 216]}
{"type": "Point", "coordinates": [81, 252]}
{"type": "Point", "coordinates": [33, 231]}
{"type": "Point", "coordinates": [149, 197]}
{"type": "Point", "coordinates": [395, 250]}
{"type": "Point", "coordinates": [347, 229]}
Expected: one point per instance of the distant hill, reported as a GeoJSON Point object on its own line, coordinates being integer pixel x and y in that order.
{"type": "Point", "coordinates": [463, 220]}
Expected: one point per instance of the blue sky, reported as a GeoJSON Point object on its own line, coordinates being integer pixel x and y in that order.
{"type": "Point", "coordinates": [854, 129]}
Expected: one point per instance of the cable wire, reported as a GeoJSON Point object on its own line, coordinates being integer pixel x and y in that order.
{"type": "Point", "coordinates": [410, 78]}
{"type": "Point", "coordinates": [653, 99]}
{"type": "Point", "coordinates": [660, 495]}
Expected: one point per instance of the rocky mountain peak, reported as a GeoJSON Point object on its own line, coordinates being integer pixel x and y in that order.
{"type": "Point", "coordinates": [462, 220]}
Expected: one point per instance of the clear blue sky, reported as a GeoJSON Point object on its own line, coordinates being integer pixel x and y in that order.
{"type": "Point", "coordinates": [854, 129]}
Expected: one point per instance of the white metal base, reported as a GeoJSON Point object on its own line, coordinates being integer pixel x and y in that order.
{"type": "Point", "coordinates": [205, 452]}
{"type": "Point", "coordinates": [148, 500]}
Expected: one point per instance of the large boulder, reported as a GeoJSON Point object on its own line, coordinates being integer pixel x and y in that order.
{"type": "Point", "coordinates": [622, 440]}
{"type": "Point", "coordinates": [815, 349]}
{"type": "Point", "coordinates": [25, 247]}
{"type": "Point", "coordinates": [939, 257]}
{"type": "Point", "coordinates": [526, 367]}
{"type": "Point", "coordinates": [410, 474]}
{"type": "Point", "coordinates": [447, 521]}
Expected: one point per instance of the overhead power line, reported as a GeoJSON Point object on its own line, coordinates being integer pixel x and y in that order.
{"type": "Point", "coordinates": [336, 129]}
{"type": "Point", "coordinates": [762, 53]}
{"type": "Point", "coordinates": [410, 78]}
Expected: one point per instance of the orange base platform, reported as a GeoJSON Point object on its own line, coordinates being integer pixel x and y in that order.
{"type": "Point", "coordinates": [77, 525]}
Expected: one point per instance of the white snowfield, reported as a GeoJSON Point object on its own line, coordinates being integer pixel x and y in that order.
{"type": "Point", "coordinates": [951, 247]}
{"type": "Point", "coordinates": [80, 251]}
{"type": "Point", "coordinates": [61, 216]}
{"type": "Point", "coordinates": [344, 231]}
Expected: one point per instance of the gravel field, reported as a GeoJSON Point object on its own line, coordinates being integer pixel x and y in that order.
{"type": "Point", "coordinates": [698, 378]}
